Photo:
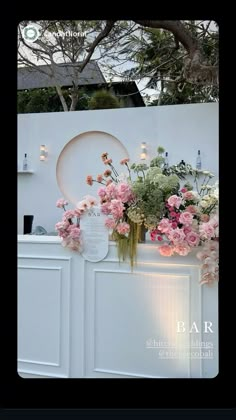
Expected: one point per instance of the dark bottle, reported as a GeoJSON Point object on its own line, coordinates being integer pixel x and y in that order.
{"type": "Point", "coordinates": [198, 161]}
{"type": "Point", "coordinates": [25, 163]}
{"type": "Point", "coordinates": [166, 164]}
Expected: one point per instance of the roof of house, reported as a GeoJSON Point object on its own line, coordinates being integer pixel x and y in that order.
{"type": "Point", "coordinates": [91, 76]}
{"type": "Point", "coordinates": [32, 78]}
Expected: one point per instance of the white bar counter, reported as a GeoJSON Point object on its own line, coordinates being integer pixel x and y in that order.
{"type": "Point", "coordinates": [83, 319]}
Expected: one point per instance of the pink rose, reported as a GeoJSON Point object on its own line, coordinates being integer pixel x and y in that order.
{"type": "Point", "coordinates": [192, 238]}
{"type": "Point", "coordinates": [208, 278]}
{"type": "Point", "coordinates": [164, 225]}
{"type": "Point", "coordinates": [174, 201]}
{"type": "Point", "coordinates": [189, 196]}
{"type": "Point", "coordinates": [191, 209]}
{"type": "Point", "coordinates": [176, 235]}
{"type": "Point", "coordinates": [186, 218]}
{"type": "Point", "coordinates": [182, 249]}
{"type": "Point", "coordinates": [165, 250]}
{"type": "Point", "coordinates": [205, 218]}
{"type": "Point", "coordinates": [206, 231]}
{"type": "Point", "coordinates": [187, 229]}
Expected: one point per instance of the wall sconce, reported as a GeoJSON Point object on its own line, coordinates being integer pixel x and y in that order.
{"type": "Point", "coordinates": [143, 154]}
{"type": "Point", "coordinates": [43, 152]}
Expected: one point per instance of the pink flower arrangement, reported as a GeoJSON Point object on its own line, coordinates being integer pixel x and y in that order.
{"type": "Point", "coordinates": [190, 220]}
{"type": "Point", "coordinates": [115, 196]}
{"type": "Point", "coordinates": [69, 227]}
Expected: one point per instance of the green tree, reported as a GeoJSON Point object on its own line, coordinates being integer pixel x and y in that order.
{"type": "Point", "coordinates": [102, 99]}
{"type": "Point", "coordinates": [160, 57]}
{"type": "Point", "coordinates": [166, 52]}
{"type": "Point", "coordinates": [47, 100]}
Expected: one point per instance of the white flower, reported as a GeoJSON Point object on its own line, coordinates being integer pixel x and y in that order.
{"type": "Point", "coordinates": [203, 203]}
{"type": "Point", "coordinates": [122, 177]}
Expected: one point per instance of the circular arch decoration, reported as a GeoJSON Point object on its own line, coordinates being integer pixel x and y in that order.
{"type": "Point", "coordinates": [80, 157]}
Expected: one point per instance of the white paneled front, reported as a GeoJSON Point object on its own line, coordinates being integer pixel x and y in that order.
{"type": "Point", "coordinates": [82, 319]}
{"type": "Point", "coordinates": [127, 314]}
{"type": "Point", "coordinates": [43, 315]}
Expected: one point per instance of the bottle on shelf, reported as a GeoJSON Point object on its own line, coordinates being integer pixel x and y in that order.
{"type": "Point", "coordinates": [166, 164]}
{"type": "Point", "coordinates": [198, 161]}
{"type": "Point", "coordinates": [25, 163]}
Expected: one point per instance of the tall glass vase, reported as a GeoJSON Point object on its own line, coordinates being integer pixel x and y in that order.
{"type": "Point", "coordinates": [142, 234]}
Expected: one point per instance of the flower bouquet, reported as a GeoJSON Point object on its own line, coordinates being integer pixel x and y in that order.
{"type": "Point", "coordinates": [178, 218]}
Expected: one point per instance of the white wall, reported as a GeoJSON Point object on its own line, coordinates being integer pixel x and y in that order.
{"type": "Point", "coordinates": [181, 129]}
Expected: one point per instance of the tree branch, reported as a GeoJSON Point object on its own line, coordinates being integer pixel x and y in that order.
{"type": "Point", "coordinates": [178, 30]}
{"type": "Point", "coordinates": [100, 37]}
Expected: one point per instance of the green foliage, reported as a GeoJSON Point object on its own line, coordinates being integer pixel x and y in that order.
{"type": "Point", "coordinates": [47, 100]}
{"type": "Point", "coordinates": [158, 56]}
{"type": "Point", "coordinates": [102, 99]}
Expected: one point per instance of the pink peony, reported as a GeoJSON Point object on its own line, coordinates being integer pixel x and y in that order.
{"type": "Point", "coordinates": [174, 201]}
{"type": "Point", "coordinates": [176, 235]}
{"type": "Point", "coordinates": [123, 228]}
{"type": "Point", "coordinates": [192, 238]}
{"type": "Point", "coordinates": [182, 249]}
{"type": "Point", "coordinates": [186, 218]}
{"type": "Point", "coordinates": [106, 208]}
{"type": "Point", "coordinates": [74, 231]}
{"type": "Point", "coordinates": [111, 191]}
{"type": "Point", "coordinates": [117, 209]}
{"type": "Point", "coordinates": [69, 214]}
{"type": "Point", "coordinates": [102, 192]}
{"type": "Point", "coordinates": [165, 250]}
{"type": "Point", "coordinates": [124, 192]}
{"type": "Point", "coordinates": [110, 223]}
